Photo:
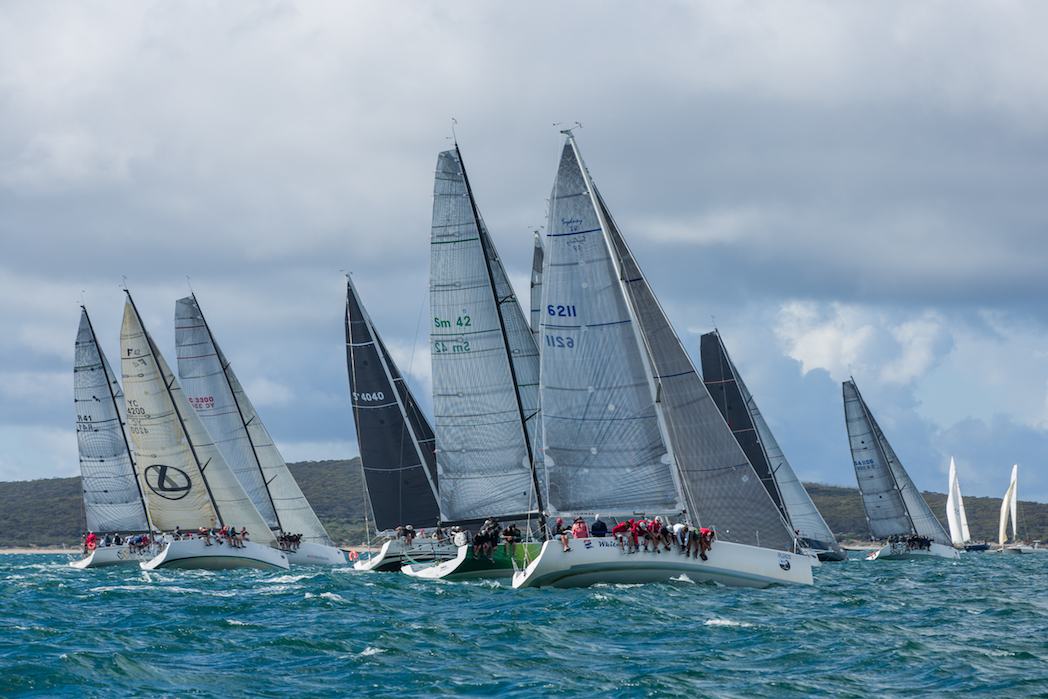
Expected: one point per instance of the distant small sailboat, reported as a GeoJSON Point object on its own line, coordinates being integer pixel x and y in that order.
{"type": "Point", "coordinates": [955, 515]}
{"type": "Point", "coordinates": [225, 409]}
{"type": "Point", "coordinates": [113, 500]}
{"type": "Point", "coordinates": [1009, 511]}
{"type": "Point", "coordinates": [188, 484]}
{"type": "Point", "coordinates": [396, 446]}
{"type": "Point", "coordinates": [895, 509]}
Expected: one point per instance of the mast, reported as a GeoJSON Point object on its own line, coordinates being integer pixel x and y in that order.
{"type": "Point", "coordinates": [181, 422]}
{"type": "Point", "coordinates": [654, 386]}
{"type": "Point", "coordinates": [486, 249]}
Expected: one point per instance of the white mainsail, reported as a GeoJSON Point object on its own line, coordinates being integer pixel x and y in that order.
{"type": "Point", "coordinates": [955, 515]}
{"type": "Point", "coordinates": [112, 497]}
{"type": "Point", "coordinates": [225, 409]}
{"type": "Point", "coordinates": [893, 505]}
{"type": "Point", "coordinates": [1008, 506]}
{"type": "Point", "coordinates": [485, 363]}
{"type": "Point", "coordinates": [185, 478]}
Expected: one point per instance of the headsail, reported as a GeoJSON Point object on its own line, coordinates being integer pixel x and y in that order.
{"type": "Point", "coordinates": [894, 506]}
{"type": "Point", "coordinates": [223, 406]}
{"type": "Point", "coordinates": [536, 286]}
{"type": "Point", "coordinates": [395, 439]}
{"type": "Point", "coordinates": [737, 403]}
{"type": "Point", "coordinates": [112, 496]}
{"type": "Point", "coordinates": [185, 478]}
{"type": "Point", "coordinates": [955, 515]}
{"type": "Point", "coordinates": [485, 363]}
{"type": "Point", "coordinates": [1008, 506]}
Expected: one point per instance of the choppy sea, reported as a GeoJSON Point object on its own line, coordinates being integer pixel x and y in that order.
{"type": "Point", "coordinates": [978, 626]}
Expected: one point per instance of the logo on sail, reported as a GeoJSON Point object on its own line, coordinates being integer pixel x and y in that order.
{"type": "Point", "coordinates": [168, 482]}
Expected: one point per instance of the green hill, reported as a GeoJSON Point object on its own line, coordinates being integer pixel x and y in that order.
{"type": "Point", "coordinates": [49, 512]}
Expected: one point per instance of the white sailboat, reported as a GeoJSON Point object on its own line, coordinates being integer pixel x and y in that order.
{"type": "Point", "coordinates": [485, 380]}
{"type": "Point", "coordinates": [955, 515]}
{"type": "Point", "coordinates": [895, 509]}
{"type": "Point", "coordinates": [1009, 511]}
{"type": "Point", "coordinates": [113, 501]}
{"type": "Point", "coordinates": [186, 481]}
{"type": "Point", "coordinates": [740, 411]}
{"type": "Point", "coordinates": [223, 406]}
{"type": "Point", "coordinates": [396, 447]}
{"type": "Point", "coordinates": [627, 424]}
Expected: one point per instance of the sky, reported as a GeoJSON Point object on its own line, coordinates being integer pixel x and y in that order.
{"type": "Point", "coordinates": [843, 189]}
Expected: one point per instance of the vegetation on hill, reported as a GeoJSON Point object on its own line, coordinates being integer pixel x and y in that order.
{"type": "Point", "coordinates": [49, 512]}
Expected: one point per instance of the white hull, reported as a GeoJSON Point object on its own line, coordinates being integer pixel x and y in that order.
{"type": "Point", "coordinates": [197, 555]}
{"type": "Point", "coordinates": [899, 552]}
{"type": "Point", "coordinates": [394, 554]}
{"type": "Point", "coordinates": [112, 556]}
{"type": "Point", "coordinates": [601, 560]}
{"type": "Point", "coordinates": [1024, 549]}
{"type": "Point", "coordinates": [308, 554]}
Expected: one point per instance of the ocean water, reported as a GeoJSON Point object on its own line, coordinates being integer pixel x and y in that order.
{"type": "Point", "coordinates": [978, 626]}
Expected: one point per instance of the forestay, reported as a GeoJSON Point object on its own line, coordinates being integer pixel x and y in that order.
{"type": "Point", "coordinates": [173, 449]}
{"type": "Point", "coordinates": [485, 363]}
{"type": "Point", "coordinates": [394, 438]}
{"type": "Point", "coordinates": [112, 497]}
{"type": "Point", "coordinates": [226, 411]}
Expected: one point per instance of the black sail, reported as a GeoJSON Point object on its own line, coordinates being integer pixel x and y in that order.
{"type": "Point", "coordinates": [395, 439]}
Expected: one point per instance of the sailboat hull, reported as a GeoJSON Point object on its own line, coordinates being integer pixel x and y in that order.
{"type": "Point", "coordinates": [900, 552]}
{"type": "Point", "coordinates": [310, 554]}
{"type": "Point", "coordinates": [394, 555]}
{"type": "Point", "coordinates": [195, 554]}
{"type": "Point", "coordinates": [1024, 549]}
{"type": "Point", "coordinates": [466, 567]}
{"type": "Point", "coordinates": [593, 561]}
{"type": "Point", "coordinates": [110, 556]}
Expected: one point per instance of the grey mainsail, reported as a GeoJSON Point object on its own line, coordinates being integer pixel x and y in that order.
{"type": "Point", "coordinates": [112, 495]}
{"type": "Point", "coordinates": [485, 363]}
{"type": "Point", "coordinates": [395, 440]}
{"type": "Point", "coordinates": [222, 404]}
{"type": "Point", "coordinates": [740, 411]}
{"type": "Point", "coordinates": [894, 506]}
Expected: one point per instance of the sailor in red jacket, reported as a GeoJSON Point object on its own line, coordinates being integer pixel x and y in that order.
{"type": "Point", "coordinates": [620, 530]}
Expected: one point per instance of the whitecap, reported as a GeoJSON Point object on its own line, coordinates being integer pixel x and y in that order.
{"type": "Point", "coordinates": [725, 622]}
{"type": "Point", "coordinates": [371, 651]}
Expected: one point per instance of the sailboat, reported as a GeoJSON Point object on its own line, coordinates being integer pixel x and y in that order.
{"type": "Point", "coordinates": [188, 484]}
{"type": "Point", "coordinates": [112, 496]}
{"type": "Point", "coordinates": [894, 507]}
{"type": "Point", "coordinates": [226, 411]}
{"type": "Point", "coordinates": [740, 411]}
{"type": "Point", "coordinates": [628, 426]}
{"type": "Point", "coordinates": [485, 381]}
{"type": "Point", "coordinates": [956, 518]}
{"type": "Point", "coordinates": [1009, 510]}
{"type": "Point", "coordinates": [396, 446]}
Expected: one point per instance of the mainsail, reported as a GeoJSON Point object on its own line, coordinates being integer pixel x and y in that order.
{"type": "Point", "coordinates": [223, 406]}
{"type": "Point", "coordinates": [536, 286]}
{"type": "Point", "coordinates": [894, 506]}
{"type": "Point", "coordinates": [1008, 506]}
{"type": "Point", "coordinates": [740, 411]}
{"type": "Point", "coordinates": [955, 515]}
{"type": "Point", "coordinates": [187, 482]}
{"type": "Point", "coordinates": [395, 440]}
{"type": "Point", "coordinates": [629, 425]}
{"type": "Point", "coordinates": [112, 497]}
{"type": "Point", "coordinates": [485, 363]}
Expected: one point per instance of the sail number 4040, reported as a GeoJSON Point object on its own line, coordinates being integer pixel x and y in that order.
{"type": "Point", "coordinates": [368, 397]}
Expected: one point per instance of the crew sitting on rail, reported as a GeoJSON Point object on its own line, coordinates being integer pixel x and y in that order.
{"type": "Point", "coordinates": [598, 529]}
{"type": "Point", "coordinates": [510, 537]}
{"type": "Point", "coordinates": [705, 542]}
{"type": "Point", "coordinates": [562, 532]}
{"type": "Point", "coordinates": [621, 532]}
{"type": "Point", "coordinates": [579, 530]}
